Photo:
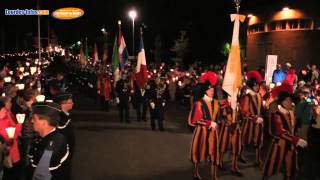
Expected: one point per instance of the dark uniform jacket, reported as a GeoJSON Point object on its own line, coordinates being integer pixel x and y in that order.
{"type": "Point", "coordinates": [65, 128]}
{"type": "Point", "coordinates": [60, 160]}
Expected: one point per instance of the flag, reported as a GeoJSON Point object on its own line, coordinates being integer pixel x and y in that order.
{"type": "Point", "coordinates": [123, 52]}
{"type": "Point", "coordinates": [86, 53]}
{"type": "Point", "coordinates": [232, 76]}
{"type": "Point", "coordinates": [141, 69]}
{"type": "Point", "coordinates": [95, 57]}
{"type": "Point", "coordinates": [82, 57]}
{"type": "Point", "coordinates": [105, 52]}
{"type": "Point", "coordinates": [115, 61]}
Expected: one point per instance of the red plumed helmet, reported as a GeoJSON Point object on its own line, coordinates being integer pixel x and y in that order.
{"type": "Point", "coordinates": [284, 87]}
{"type": "Point", "coordinates": [254, 74]}
{"type": "Point", "coordinates": [209, 76]}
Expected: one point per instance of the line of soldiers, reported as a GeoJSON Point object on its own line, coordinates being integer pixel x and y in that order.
{"type": "Point", "coordinates": [218, 128]}
{"type": "Point", "coordinates": [151, 96]}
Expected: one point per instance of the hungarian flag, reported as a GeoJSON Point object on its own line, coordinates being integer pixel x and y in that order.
{"type": "Point", "coordinates": [115, 61]}
{"type": "Point", "coordinates": [95, 58]}
{"type": "Point", "coordinates": [123, 52]}
{"type": "Point", "coordinates": [141, 69]}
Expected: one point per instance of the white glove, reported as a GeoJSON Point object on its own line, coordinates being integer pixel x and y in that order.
{"type": "Point", "coordinates": [259, 120]}
{"type": "Point", "coordinates": [302, 143]}
{"type": "Point", "coordinates": [117, 100]}
{"type": "Point", "coordinates": [213, 125]}
{"type": "Point", "coordinates": [163, 104]}
{"type": "Point", "coordinates": [152, 105]}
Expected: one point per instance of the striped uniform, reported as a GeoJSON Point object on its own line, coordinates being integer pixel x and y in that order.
{"type": "Point", "coordinates": [251, 108]}
{"type": "Point", "coordinates": [282, 155]}
{"type": "Point", "coordinates": [230, 136]}
{"type": "Point", "coordinates": [205, 141]}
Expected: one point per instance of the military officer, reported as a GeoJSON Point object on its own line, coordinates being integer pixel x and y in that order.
{"type": "Point", "coordinates": [123, 98]}
{"type": "Point", "coordinates": [49, 157]}
{"type": "Point", "coordinates": [157, 103]}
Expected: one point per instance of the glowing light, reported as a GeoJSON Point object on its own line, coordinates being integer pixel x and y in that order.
{"type": "Point", "coordinates": [21, 69]}
{"type": "Point", "coordinates": [20, 118]}
{"type": "Point", "coordinates": [132, 14]}
{"type": "Point", "coordinates": [40, 98]}
{"type": "Point", "coordinates": [7, 79]}
{"type": "Point", "coordinates": [286, 9]}
{"type": "Point", "coordinates": [10, 132]}
{"type": "Point", "coordinates": [20, 86]}
{"type": "Point", "coordinates": [250, 15]}
{"type": "Point", "coordinates": [33, 70]}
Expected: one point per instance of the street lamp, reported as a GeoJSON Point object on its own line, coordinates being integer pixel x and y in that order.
{"type": "Point", "coordinates": [103, 30]}
{"type": "Point", "coordinates": [132, 15]}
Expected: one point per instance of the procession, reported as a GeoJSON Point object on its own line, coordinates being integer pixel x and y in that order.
{"type": "Point", "coordinates": [86, 105]}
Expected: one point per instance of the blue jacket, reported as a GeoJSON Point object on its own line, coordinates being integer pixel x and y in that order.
{"type": "Point", "coordinates": [278, 76]}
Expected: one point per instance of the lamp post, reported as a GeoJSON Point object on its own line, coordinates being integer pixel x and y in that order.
{"type": "Point", "coordinates": [132, 15]}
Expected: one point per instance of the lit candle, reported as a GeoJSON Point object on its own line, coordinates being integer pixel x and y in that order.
{"type": "Point", "coordinates": [20, 86]}
{"type": "Point", "coordinates": [10, 132]}
{"type": "Point", "coordinates": [33, 70]}
{"type": "Point", "coordinates": [7, 79]}
{"type": "Point", "coordinates": [20, 118]}
{"type": "Point", "coordinates": [40, 98]}
{"type": "Point", "coordinates": [21, 69]}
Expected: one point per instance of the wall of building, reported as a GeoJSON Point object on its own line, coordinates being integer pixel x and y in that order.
{"type": "Point", "coordinates": [297, 47]}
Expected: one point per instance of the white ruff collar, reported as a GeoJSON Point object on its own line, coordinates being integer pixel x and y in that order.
{"type": "Point", "coordinates": [283, 110]}
{"type": "Point", "coordinates": [251, 92]}
{"type": "Point", "coordinates": [207, 98]}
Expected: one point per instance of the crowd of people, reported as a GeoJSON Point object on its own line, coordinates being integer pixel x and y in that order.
{"type": "Point", "coordinates": [36, 134]}
{"type": "Point", "coordinates": [280, 120]}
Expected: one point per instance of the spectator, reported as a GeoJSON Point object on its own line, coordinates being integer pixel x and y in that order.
{"type": "Point", "coordinates": [304, 112]}
{"type": "Point", "coordinates": [6, 120]}
{"type": "Point", "coordinates": [314, 73]}
{"type": "Point", "coordinates": [292, 77]}
{"type": "Point", "coordinates": [278, 75]}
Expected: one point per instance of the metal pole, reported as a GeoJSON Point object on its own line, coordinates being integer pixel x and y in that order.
{"type": "Point", "coordinates": [39, 40]}
{"type": "Point", "coordinates": [48, 37]}
{"type": "Point", "coordinates": [133, 37]}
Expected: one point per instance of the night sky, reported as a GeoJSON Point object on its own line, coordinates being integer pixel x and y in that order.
{"type": "Point", "coordinates": [207, 26]}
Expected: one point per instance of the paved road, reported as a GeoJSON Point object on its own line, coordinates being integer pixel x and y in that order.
{"type": "Point", "coordinates": [109, 150]}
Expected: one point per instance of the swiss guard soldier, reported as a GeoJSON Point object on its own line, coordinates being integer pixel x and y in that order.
{"type": "Point", "coordinates": [157, 103]}
{"type": "Point", "coordinates": [203, 116]}
{"type": "Point", "coordinates": [49, 157]}
{"type": "Point", "coordinates": [251, 106]}
{"type": "Point", "coordinates": [283, 154]}
{"type": "Point", "coordinates": [230, 136]}
{"type": "Point", "coordinates": [123, 98]}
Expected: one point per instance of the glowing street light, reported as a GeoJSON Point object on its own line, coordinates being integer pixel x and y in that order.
{"type": "Point", "coordinates": [132, 15]}
{"type": "Point", "coordinates": [79, 43]}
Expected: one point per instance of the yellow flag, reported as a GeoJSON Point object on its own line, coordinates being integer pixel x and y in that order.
{"type": "Point", "coordinates": [232, 76]}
